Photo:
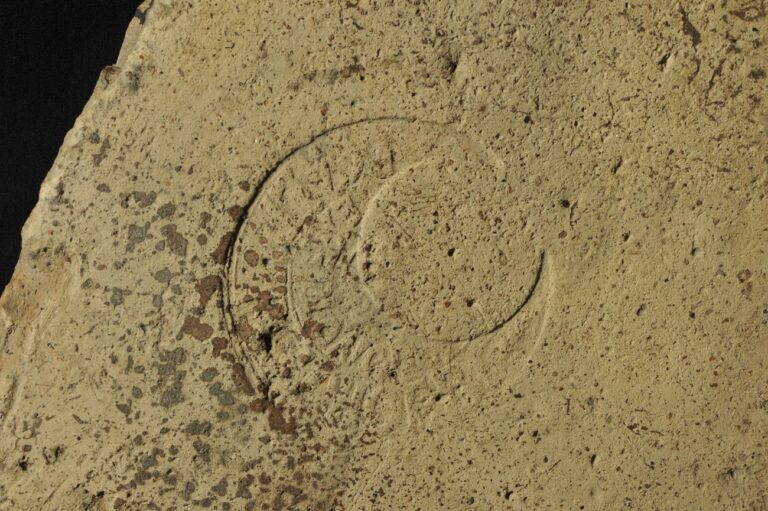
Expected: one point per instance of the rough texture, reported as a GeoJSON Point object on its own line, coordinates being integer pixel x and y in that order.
{"type": "Point", "coordinates": [401, 255]}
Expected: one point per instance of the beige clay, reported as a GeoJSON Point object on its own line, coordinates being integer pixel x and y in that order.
{"type": "Point", "coordinates": [372, 255]}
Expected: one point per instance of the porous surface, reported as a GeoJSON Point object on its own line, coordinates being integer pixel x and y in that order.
{"type": "Point", "coordinates": [371, 255]}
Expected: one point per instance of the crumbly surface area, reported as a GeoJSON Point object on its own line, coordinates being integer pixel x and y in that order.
{"type": "Point", "coordinates": [387, 254]}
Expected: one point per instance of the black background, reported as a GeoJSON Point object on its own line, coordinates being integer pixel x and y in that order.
{"type": "Point", "coordinates": [51, 54]}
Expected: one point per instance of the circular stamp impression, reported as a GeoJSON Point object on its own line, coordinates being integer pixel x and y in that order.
{"type": "Point", "coordinates": [394, 223]}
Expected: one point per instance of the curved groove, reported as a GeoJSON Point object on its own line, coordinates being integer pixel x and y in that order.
{"type": "Point", "coordinates": [228, 259]}
{"type": "Point", "coordinates": [525, 301]}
